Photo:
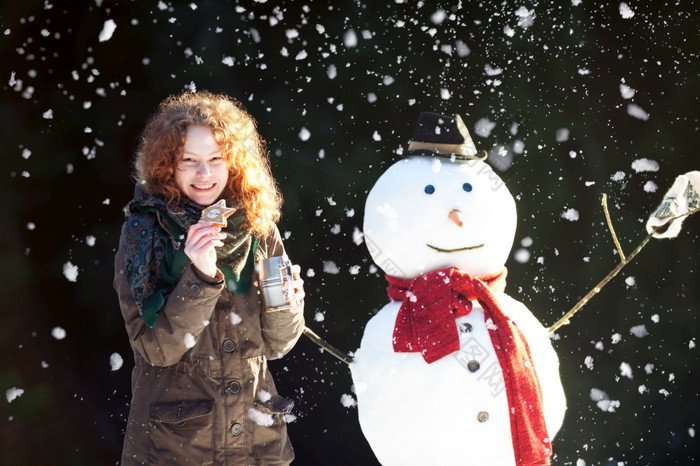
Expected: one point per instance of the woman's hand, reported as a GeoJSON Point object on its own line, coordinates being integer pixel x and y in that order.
{"type": "Point", "coordinates": [200, 246]}
{"type": "Point", "coordinates": [298, 286]}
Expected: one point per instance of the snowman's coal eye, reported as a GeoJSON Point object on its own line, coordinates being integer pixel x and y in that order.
{"type": "Point", "coordinates": [467, 187]}
{"type": "Point", "coordinates": [429, 189]}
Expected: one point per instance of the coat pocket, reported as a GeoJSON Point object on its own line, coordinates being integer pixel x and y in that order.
{"type": "Point", "coordinates": [181, 430]}
{"type": "Point", "coordinates": [275, 405]}
{"type": "Point", "coordinates": [271, 444]}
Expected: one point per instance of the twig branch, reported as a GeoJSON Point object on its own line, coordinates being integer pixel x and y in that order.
{"type": "Point", "coordinates": [327, 346]}
{"type": "Point", "coordinates": [694, 211]}
{"type": "Point", "coordinates": [565, 320]}
{"type": "Point", "coordinates": [604, 201]}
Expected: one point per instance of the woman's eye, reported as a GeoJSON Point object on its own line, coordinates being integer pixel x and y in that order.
{"type": "Point", "coordinates": [467, 187]}
{"type": "Point", "coordinates": [429, 189]}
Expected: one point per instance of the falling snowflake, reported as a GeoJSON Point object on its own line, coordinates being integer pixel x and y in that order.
{"type": "Point", "coordinates": [625, 11]}
{"type": "Point", "coordinates": [626, 370]}
{"type": "Point", "coordinates": [107, 30]}
{"type": "Point", "coordinates": [571, 215]}
{"type": "Point", "coordinates": [638, 112]}
{"type": "Point", "coordinates": [330, 267]}
{"type": "Point", "coordinates": [13, 393]}
{"type": "Point", "coordinates": [626, 91]}
{"type": "Point", "coordinates": [348, 401]}
{"type": "Point", "coordinates": [260, 418]}
{"type": "Point", "coordinates": [645, 165]}
{"type": "Point", "coordinates": [116, 361]}
{"type": "Point", "coordinates": [58, 333]}
{"type": "Point", "coordinates": [603, 401]}
{"type": "Point", "coordinates": [304, 134]}
{"type": "Point", "coordinates": [70, 271]}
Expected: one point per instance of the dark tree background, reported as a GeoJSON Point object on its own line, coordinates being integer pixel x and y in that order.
{"type": "Point", "coordinates": [571, 98]}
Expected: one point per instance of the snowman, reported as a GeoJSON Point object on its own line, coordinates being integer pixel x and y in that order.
{"type": "Point", "coordinates": [452, 371]}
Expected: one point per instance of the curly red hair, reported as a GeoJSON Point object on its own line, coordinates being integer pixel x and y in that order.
{"type": "Point", "coordinates": [250, 181]}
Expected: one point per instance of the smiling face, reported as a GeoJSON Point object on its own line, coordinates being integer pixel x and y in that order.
{"type": "Point", "coordinates": [425, 213]}
{"type": "Point", "coordinates": [201, 173]}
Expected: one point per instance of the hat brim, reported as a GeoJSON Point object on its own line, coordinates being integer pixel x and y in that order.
{"type": "Point", "coordinates": [447, 154]}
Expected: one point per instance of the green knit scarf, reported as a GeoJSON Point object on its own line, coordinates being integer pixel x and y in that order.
{"type": "Point", "coordinates": [154, 254]}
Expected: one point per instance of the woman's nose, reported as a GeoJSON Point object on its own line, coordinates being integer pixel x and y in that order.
{"type": "Point", "coordinates": [203, 169]}
{"type": "Point", "coordinates": [456, 216]}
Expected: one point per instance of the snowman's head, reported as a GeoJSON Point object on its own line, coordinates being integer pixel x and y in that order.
{"type": "Point", "coordinates": [427, 213]}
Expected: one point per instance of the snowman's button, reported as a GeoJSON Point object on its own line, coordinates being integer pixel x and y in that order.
{"type": "Point", "coordinates": [465, 327]}
{"type": "Point", "coordinates": [473, 365]}
{"type": "Point", "coordinates": [483, 416]}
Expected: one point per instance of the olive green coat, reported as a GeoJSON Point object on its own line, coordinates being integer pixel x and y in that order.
{"type": "Point", "coordinates": [201, 390]}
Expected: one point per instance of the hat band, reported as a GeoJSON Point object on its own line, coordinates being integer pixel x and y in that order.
{"type": "Point", "coordinates": [466, 150]}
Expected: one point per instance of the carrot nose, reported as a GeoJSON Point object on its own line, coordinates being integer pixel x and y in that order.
{"type": "Point", "coordinates": [456, 216]}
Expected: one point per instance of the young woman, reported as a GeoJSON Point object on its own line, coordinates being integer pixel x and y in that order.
{"type": "Point", "coordinates": [189, 292]}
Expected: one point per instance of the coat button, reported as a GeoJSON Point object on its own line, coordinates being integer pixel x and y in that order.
{"type": "Point", "coordinates": [465, 327]}
{"type": "Point", "coordinates": [473, 365]}
{"type": "Point", "coordinates": [234, 387]}
{"type": "Point", "coordinates": [236, 429]}
{"type": "Point", "coordinates": [229, 346]}
{"type": "Point", "coordinates": [483, 416]}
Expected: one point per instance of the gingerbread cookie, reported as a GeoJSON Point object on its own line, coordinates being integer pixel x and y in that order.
{"type": "Point", "coordinates": [217, 214]}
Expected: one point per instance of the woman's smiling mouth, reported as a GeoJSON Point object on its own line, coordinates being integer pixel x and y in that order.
{"type": "Point", "coordinates": [203, 187]}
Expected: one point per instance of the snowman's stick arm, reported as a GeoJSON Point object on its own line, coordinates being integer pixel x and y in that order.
{"type": "Point", "coordinates": [604, 201]}
{"type": "Point", "coordinates": [327, 346]}
{"type": "Point", "coordinates": [565, 320]}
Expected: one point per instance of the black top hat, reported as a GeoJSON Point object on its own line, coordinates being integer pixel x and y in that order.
{"type": "Point", "coordinates": [443, 136]}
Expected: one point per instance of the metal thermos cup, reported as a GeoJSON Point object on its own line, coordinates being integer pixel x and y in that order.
{"type": "Point", "coordinates": [276, 282]}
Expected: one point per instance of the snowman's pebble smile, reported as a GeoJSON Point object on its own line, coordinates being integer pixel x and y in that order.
{"type": "Point", "coordinates": [466, 248]}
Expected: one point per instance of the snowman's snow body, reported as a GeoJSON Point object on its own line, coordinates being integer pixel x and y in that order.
{"type": "Point", "coordinates": [412, 412]}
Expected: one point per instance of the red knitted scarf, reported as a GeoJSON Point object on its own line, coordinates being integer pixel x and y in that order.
{"type": "Point", "coordinates": [426, 324]}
